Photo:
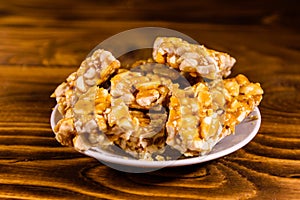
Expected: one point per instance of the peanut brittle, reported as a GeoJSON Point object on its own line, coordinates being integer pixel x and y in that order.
{"type": "Point", "coordinates": [241, 97]}
{"type": "Point", "coordinates": [72, 96]}
{"type": "Point", "coordinates": [150, 107]}
{"type": "Point", "coordinates": [137, 115]}
{"type": "Point", "coordinates": [192, 58]}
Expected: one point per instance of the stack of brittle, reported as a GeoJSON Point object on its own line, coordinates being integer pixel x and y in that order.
{"type": "Point", "coordinates": [177, 100]}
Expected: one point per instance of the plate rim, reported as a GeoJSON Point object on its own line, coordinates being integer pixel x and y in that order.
{"type": "Point", "coordinates": [169, 163]}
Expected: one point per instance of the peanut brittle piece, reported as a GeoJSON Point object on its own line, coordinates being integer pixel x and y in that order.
{"type": "Point", "coordinates": [78, 92]}
{"type": "Point", "coordinates": [192, 58]}
{"type": "Point", "coordinates": [241, 97]}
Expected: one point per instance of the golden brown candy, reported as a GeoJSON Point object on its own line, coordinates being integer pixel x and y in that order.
{"type": "Point", "coordinates": [144, 109]}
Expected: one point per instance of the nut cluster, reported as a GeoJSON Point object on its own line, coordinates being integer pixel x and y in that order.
{"type": "Point", "coordinates": [194, 59]}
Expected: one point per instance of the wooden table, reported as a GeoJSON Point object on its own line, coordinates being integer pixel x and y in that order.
{"type": "Point", "coordinates": [42, 42]}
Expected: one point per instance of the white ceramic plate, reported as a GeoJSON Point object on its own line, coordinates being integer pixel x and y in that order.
{"type": "Point", "coordinates": [245, 132]}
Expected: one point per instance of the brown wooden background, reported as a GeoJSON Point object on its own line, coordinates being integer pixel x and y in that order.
{"type": "Point", "coordinates": [41, 42]}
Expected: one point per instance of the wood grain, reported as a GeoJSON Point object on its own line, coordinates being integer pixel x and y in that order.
{"type": "Point", "coordinates": [42, 42]}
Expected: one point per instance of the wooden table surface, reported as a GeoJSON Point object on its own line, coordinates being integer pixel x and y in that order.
{"type": "Point", "coordinates": [42, 42]}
